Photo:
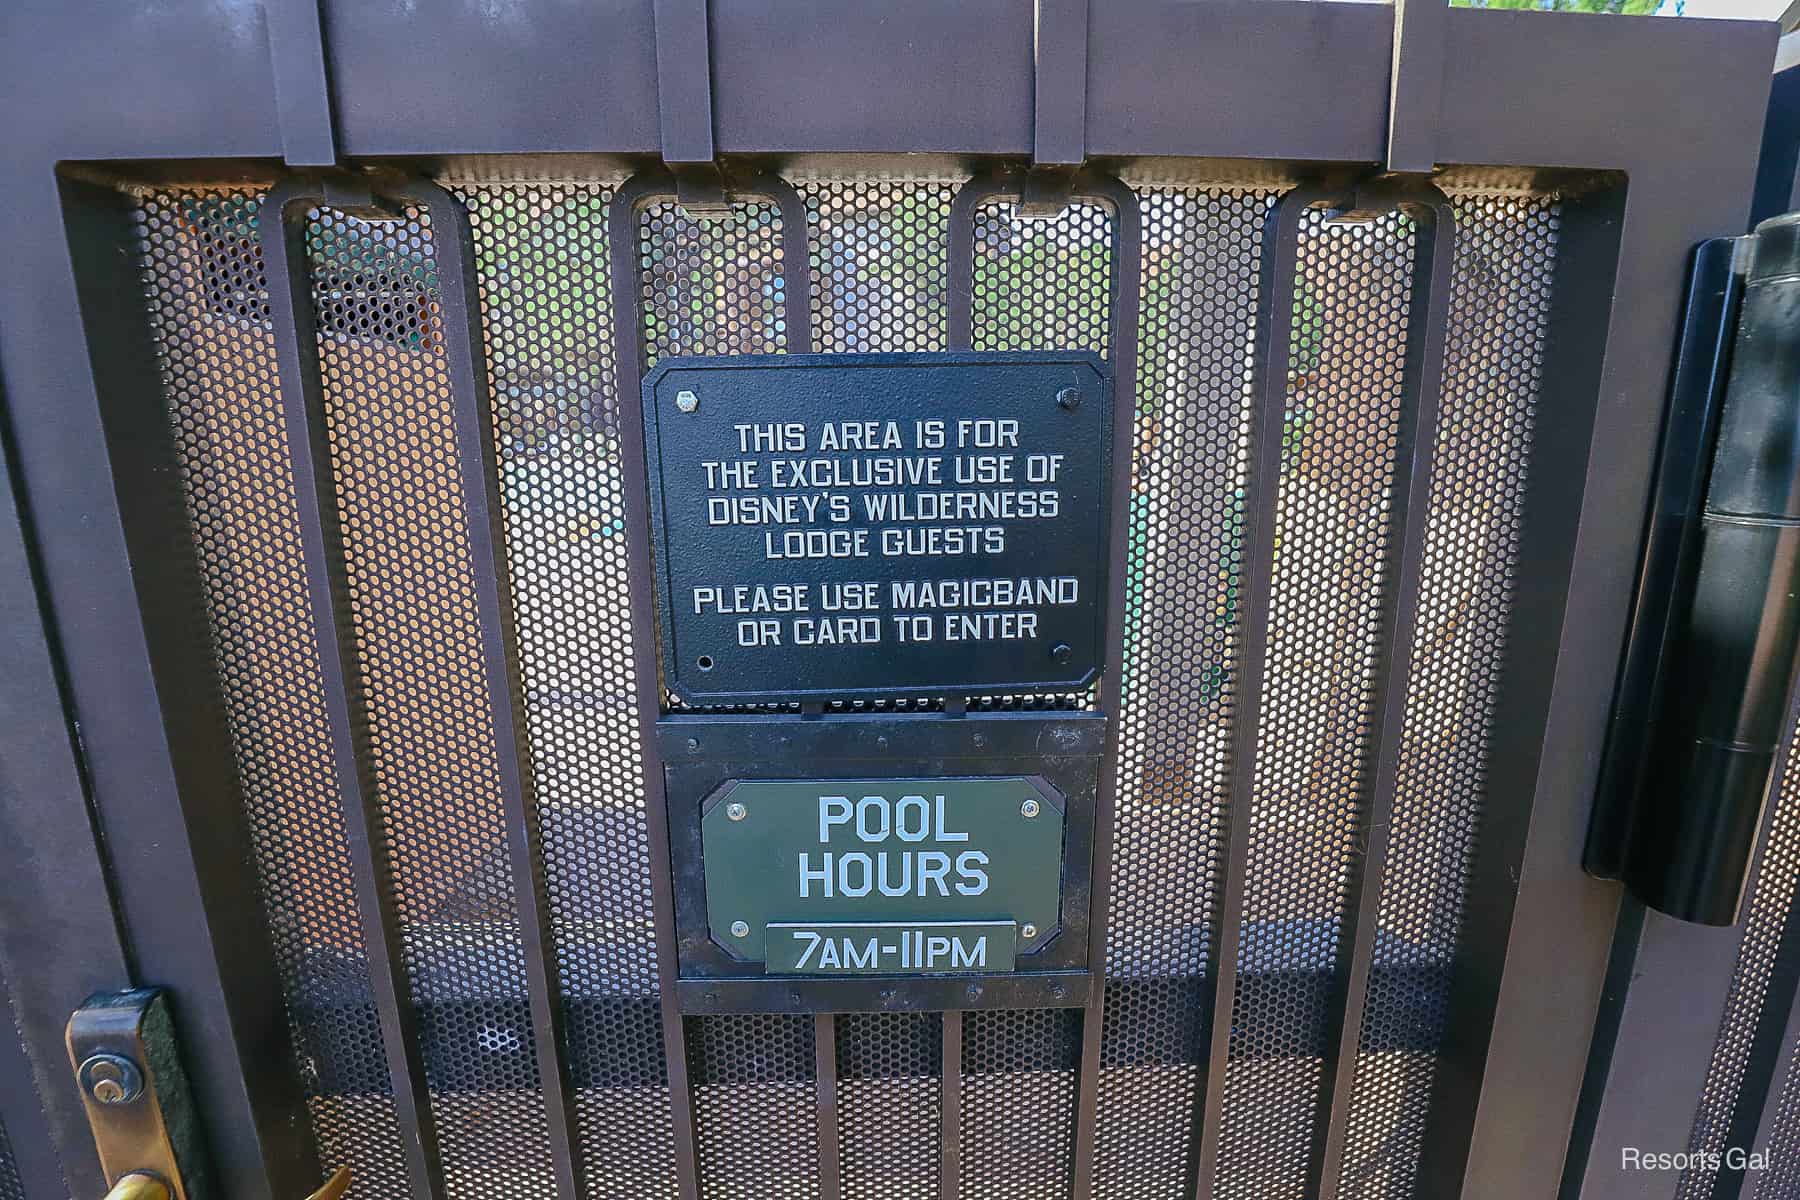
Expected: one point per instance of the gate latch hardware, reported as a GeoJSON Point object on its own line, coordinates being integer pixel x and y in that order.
{"type": "Point", "coordinates": [123, 1053]}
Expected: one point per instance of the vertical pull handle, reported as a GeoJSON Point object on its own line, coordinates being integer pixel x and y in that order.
{"type": "Point", "coordinates": [1725, 655]}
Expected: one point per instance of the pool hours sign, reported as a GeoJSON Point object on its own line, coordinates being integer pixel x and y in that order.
{"type": "Point", "coordinates": [852, 525]}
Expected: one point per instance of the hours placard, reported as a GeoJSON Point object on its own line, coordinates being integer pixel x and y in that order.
{"type": "Point", "coordinates": [840, 526]}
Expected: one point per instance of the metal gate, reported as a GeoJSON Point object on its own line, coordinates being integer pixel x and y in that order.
{"type": "Point", "coordinates": [331, 541]}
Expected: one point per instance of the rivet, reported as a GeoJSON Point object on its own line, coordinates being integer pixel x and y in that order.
{"type": "Point", "coordinates": [736, 810]}
{"type": "Point", "coordinates": [1028, 931]}
{"type": "Point", "coordinates": [686, 401]}
{"type": "Point", "coordinates": [740, 929]}
{"type": "Point", "coordinates": [1030, 808]}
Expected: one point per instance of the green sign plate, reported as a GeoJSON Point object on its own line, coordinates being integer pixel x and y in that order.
{"type": "Point", "coordinates": [881, 852]}
{"type": "Point", "coordinates": [925, 948]}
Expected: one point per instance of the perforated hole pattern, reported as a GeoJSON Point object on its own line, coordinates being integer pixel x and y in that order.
{"type": "Point", "coordinates": [1501, 279]}
{"type": "Point", "coordinates": [546, 298]}
{"type": "Point", "coordinates": [879, 253]}
{"type": "Point", "coordinates": [431, 739]}
{"type": "Point", "coordinates": [1767, 910]}
{"type": "Point", "coordinates": [208, 306]}
{"type": "Point", "coordinates": [1201, 254]}
{"type": "Point", "coordinates": [889, 1089]}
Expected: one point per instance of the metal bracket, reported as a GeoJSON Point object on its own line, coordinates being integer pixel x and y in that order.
{"type": "Point", "coordinates": [1059, 106]}
{"type": "Point", "coordinates": [302, 82]}
{"type": "Point", "coordinates": [1416, 85]}
{"type": "Point", "coordinates": [684, 104]}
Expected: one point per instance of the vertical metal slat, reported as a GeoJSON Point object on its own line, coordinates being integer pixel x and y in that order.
{"type": "Point", "coordinates": [825, 1083]}
{"type": "Point", "coordinates": [950, 1091]}
{"type": "Point", "coordinates": [1122, 349]}
{"type": "Point", "coordinates": [467, 373]}
{"type": "Point", "coordinates": [1274, 334]}
{"type": "Point", "coordinates": [1422, 385]}
{"type": "Point", "coordinates": [281, 228]}
{"type": "Point", "coordinates": [628, 362]}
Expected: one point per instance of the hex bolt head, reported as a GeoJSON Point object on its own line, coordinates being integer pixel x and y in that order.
{"type": "Point", "coordinates": [736, 810]}
{"type": "Point", "coordinates": [1030, 808]}
{"type": "Point", "coordinates": [686, 401]}
{"type": "Point", "coordinates": [1069, 398]}
{"type": "Point", "coordinates": [740, 929]}
{"type": "Point", "coordinates": [1028, 931]}
{"type": "Point", "coordinates": [1061, 652]}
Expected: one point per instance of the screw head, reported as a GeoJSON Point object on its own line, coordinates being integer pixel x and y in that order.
{"type": "Point", "coordinates": [740, 929]}
{"type": "Point", "coordinates": [1069, 398]}
{"type": "Point", "coordinates": [1030, 808]}
{"type": "Point", "coordinates": [1028, 931]}
{"type": "Point", "coordinates": [1061, 652]}
{"type": "Point", "coordinates": [693, 744]}
{"type": "Point", "coordinates": [736, 810]}
{"type": "Point", "coordinates": [1058, 991]}
{"type": "Point", "coordinates": [686, 401]}
{"type": "Point", "coordinates": [973, 991]}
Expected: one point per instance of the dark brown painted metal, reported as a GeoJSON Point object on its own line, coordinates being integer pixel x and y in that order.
{"type": "Point", "coordinates": [1428, 307]}
{"type": "Point", "coordinates": [1416, 84]}
{"type": "Point", "coordinates": [302, 82]}
{"type": "Point", "coordinates": [1274, 333]}
{"type": "Point", "coordinates": [59, 936]}
{"type": "Point", "coordinates": [282, 231]}
{"type": "Point", "coordinates": [950, 1103]}
{"type": "Point", "coordinates": [1533, 91]}
{"type": "Point", "coordinates": [177, 842]}
{"type": "Point", "coordinates": [825, 1081]}
{"type": "Point", "coordinates": [1059, 83]}
{"type": "Point", "coordinates": [684, 100]}
{"type": "Point", "coordinates": [628, 358]}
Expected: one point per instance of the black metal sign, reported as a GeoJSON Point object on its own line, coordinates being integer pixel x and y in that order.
{"type": "Point", "coordinates": [858, 525]}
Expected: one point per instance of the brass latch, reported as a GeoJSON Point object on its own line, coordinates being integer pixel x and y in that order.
{"type": "Point", "coordinates": [122, 1048]}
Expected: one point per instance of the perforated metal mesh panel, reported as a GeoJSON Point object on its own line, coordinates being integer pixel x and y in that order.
{"type": "Point", "coordinates": [546, 295]}
{"type": "Point", "coordinates": [754, 1106]}
{"type": "Point", "coordinates": [879, 255]}
{"type": "Point", "coordinates": [1201, 254]}
{"type": "Point", "coordinates": [1018, 1102]}
{"type": "Point", "coordinates": [208, 307]}
{"type": "Point", "coordinates": [10, 1187]}
{"type": "Point", "coordinates": [1499, 307]}
{"type": "Point", "coordinates": [1766, 912]}
{"type": "Point", "coordinates": [880, 260]}
{"type": "Point", "coordinates": [1782, 1177]}
{"type": "Point", "coordinates": [714, 286]}
{"type": "Point", "coordinates": [889, 1087]}
{"type": "Point", "coordinates": [1308, 792]}
{"type": "Point", "coordinates": [431, 738]}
